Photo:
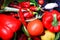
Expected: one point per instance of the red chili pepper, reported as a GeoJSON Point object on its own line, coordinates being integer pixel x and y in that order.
{"type": "Point", "coordinates": [28, 15]}
{"type": "Point", "coordinates": [41, 2]}
{"type": "Point", "coordinates": [51, 20]}
{"type": "Point", "coordinates": [33, 8]}
{"type": "Point", "coordinates": [22, 17]}
{"type": "Point", "coordinates": [8, 25]}
{"type": "Point", "coordinates": [25, 4]}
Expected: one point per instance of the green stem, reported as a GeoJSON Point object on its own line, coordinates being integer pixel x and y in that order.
{"type": "Point", "coordinates": [32, 3]}
{"type": "Point", "coordinates": [15, 36]}
{"type": "Point", "coordinates": [38, 8]}
{"type": "Point", "coordinates": [55, 22]}
{"type": "Point", "coordinates": [29, 38]}
{"type": "Point", "coordinates": [35, 13]}
{"type": "Point", "coordinates": [25, 31]}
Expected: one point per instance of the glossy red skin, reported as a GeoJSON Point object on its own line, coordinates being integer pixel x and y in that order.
{"type": "Point", "coordinates": [48, 18]}
{"type": "Point", "coordinates": [8, 25]}
{"type": "Point", "coordinates": [6, 33]}
{"type": "Point", "coordinates": [25, 4]}
{"type": "Point", "coordinates": [28, 15]}
{"type": "Point", "coordinates": [35, 27]}
{"type": "Point", "coordinates": [33, 8]}
{"type": "Point", "coordinates": [22, 19]}
{"type": "Point", "coordinates": [41, 2]}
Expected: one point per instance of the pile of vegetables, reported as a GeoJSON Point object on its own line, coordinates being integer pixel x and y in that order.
{"type": "Point", "coordinates": [27, 20]}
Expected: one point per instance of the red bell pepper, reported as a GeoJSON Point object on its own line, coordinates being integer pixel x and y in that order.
{"type": "Point", "coordinates": [51, 20]}
{"type": "Point", "coordinates": [8, 25]}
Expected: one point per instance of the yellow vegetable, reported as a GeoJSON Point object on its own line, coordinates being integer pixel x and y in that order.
{"type": "Point", "coordinates": [48, 36]}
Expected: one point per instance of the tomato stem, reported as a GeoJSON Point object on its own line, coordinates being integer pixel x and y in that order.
{"type": "Point", "coordinates": [55, 22]}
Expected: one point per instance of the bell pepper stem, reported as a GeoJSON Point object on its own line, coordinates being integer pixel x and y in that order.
{"type": "Point", "coordinates": [55, 22]}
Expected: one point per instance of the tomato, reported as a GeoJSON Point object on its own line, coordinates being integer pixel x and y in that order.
{"type": "Point", "coordinates": [35, 27]}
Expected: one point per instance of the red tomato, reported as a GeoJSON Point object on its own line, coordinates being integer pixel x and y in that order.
{"type": "Point", "coordinates": [35, 27]}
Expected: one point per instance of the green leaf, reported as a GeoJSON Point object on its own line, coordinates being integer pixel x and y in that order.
{"type": "Point", "coordinates": [25, 31]}
{"type": "Point", "coordinates": [6, 3]}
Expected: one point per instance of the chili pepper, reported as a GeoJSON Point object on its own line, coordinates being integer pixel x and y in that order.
{"type": "Point", "coordinates": [51, 20]}
{"type": "Point", "coordinates": [8, 25]}
{"type": "Point", "coordinates": [22, 17]}
{"type": "Point", "coordinates": [25, 4]}
{"type": "Point", "coordinates": [41, 2]}
{"type": "Point", "coordinates": [34, 8]}
{"type": "Point", "coordinates": [28, 15]}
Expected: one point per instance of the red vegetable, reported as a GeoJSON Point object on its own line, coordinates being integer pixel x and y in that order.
{"type": "Point", "coordinates": [41, 2]}
{"type": "Point", "coordinates": [33, 8]}
{"type": "Point", "coordinates": [22, 17]}
{"type": "Point", "coordinates": [35, 27]}
{"type": "Point", "coordinates": [51, 20]}
{"type": "Point", "coordinates": [25, 4]}
{"type": "Point", "coordinates": [28, 15]}
{"type": "Point", "coordinates": [8, 25]}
